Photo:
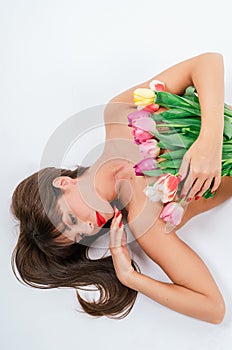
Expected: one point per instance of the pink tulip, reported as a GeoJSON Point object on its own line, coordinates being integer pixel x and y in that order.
{"type": "Point", "coordinates": [145, 123]}
{"type": "Point", "coordinates": [149, 148]}
{"type": "Point", "coordinates": [157, 85]}
{"type": "Point", "coordinates": [164, 189]}
{"type": "Point", "coordinates": [145, 164]}
{"type": "Point", "coordinates": [136, 115]}
{"type": "Point", "coordinates": [172, 213]}
{"type": "Point", "coordinates": [141, 135]}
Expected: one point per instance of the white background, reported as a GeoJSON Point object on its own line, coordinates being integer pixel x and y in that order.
{"type": "Point", "coordinates": [57, 58]}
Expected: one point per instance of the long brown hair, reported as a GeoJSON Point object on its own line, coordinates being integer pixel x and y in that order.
{"type": "Point", "coordinates": [41, 262]}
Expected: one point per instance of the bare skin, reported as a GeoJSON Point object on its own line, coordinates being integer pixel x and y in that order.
{"type": "Point", "coordinates": [198, 295]}
{"type": "Point", "coordinates": [134, 185]}
{"type": "Point", "coordinates": [193, 290]}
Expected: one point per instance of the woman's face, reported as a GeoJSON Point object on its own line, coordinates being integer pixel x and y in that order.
{"type": "Point", "coordinates": [79, 218]}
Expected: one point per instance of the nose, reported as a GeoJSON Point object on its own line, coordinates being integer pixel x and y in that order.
{"type": "Point", "coordinates": [91, 226]}
{"type": "Point", "coordinates": [87, 227]}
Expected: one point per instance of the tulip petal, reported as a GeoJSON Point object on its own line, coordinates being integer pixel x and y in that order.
{"type": "Point", "coordinates": [157, 85]}
{"type": "Point", "coordinates": [144, 93]}
{"type": "Point", "coordinates": [143, 102]}
{"type": "Point", "coordinates": [146, 124]}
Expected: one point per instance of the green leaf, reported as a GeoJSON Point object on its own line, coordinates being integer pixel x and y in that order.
{"type": "Point", "coordinates": [164, 146]}
{"type": "Point", "coordinates": [225, 172]}
{"type": "Point", "coordinates": [228, 162]}
{"type": "Point", "coordinates": [172, 113]}
{"type": "Point", "coordinates": [227, 147]}
{"type": "Point", "coordinates": [176, 140]}
{"type": "Point", "coordinates": [227, 110]}
{"type": "Point", "coordinates": [227, 127]}
{"type": "Point", "coordinates": [226, 155]}
{"type": "Point", "coordinates": [156, 172]}
{"type": "Point", "coordinates": [191, 133]}
{"type": "Point", "coordinates": [173, 154]}
{"type": "Point", "coordinates": [190, 91]}
{"type": "Point", "coordinates": [191, 122]}
{"type": "Point", "coordinates": [172, 163]}
{"type": "Point", "coordinates": [167, 99]}
{"type": "Point", "coordinates": [170, 170]}
{"type": "Point", "coordinates": [193, 98]}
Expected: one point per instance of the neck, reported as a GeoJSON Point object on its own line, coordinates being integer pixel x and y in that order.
{"type": "Point", "coordinates": [108, 177]}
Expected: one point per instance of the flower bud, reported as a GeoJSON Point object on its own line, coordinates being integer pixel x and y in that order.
{"type": "Point", "coordinates": [145, 164]}
{"type": "Point", "coordinates": [157, 85]}
{"type": "Point", "coordinates": [163, 189]}
{"type": "Point", "coordinates": [149, 148]}
{"type": "Point", "coordinates": [143, 96]}
{"type": "Point", "coordinates": [136, 115]}
{"type": "Point", "coordinates": [141, 135]}
{"type": "Point", "coordinates": [172, 213]}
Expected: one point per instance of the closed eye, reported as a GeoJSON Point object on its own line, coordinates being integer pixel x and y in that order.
{"type": "Point", "coordinates": [73, 219]}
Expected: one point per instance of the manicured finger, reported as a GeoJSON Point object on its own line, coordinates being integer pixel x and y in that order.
{"type": "Point", "coordinates": [217, 181]}
{"type": "Point", "coordinates": [124, 236]}
{"type": "Point", "coordinates": [197, 188]}
{"type": "Point", "coordinates": [117, 237]}
{"type": "Point", "coordinates": [187, 185]}
{"type": "Point", "coordinates": [116, 215]}
{"type": "Point", "coordinates": [184, 166]}
{"type": "Point", "coordinates": [202, 190]}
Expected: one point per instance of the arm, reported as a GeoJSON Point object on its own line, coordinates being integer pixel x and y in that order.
{"type": "Point", "coordinates": [195, 71]}
{"type": "Point", "coordinates": [193, 291]}
{"type": "Point", "coordinates": [206, 73]}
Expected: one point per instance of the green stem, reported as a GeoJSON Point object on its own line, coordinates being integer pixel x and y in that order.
{"type": "Point", "coordinates": [181, 201]}
{"type": "Point", "coordinates": [173, 125]}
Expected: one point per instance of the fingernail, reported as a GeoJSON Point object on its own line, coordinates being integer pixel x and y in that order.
{"type": "Point", "coordinates": [115, 207]}
{"type": "Point", "coordinates": [213, 192]}
{"type": "Point", "coordinates": [197, 197]}
{"type": "Point", "coordinates": [189, 199]}
{"type": "Point", "coordinates": [121, 224]}
{"type": "Point", "coordinates": [182, 196]}
{"type": "Point", "coordinates": [118, 213]}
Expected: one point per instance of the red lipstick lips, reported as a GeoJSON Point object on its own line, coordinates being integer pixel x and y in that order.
{"type": "Point", "coordinates": [100, 219]}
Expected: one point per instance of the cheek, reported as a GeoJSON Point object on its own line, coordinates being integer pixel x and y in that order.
{"type": "Point", "coordinates": [77, 206]}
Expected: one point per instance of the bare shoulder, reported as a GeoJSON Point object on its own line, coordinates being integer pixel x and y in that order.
{"type": "Point", "coordinates": [118, 111]}
{"type": "Point", "coordinates": [116, 122]}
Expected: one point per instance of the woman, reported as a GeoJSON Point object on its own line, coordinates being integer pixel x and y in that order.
{"type": "Point", "coordinates": [61, 211]}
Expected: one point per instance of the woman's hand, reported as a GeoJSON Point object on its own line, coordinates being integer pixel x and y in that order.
{"type": "Point", "coordinates": [201, 166]}
{"type": "Point", "coordinates": [118, 247]}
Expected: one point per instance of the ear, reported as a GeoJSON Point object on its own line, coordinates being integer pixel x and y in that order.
{"type": "Point", "coordinates": [63, 182]}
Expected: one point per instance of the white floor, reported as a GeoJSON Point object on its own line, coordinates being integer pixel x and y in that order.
{"type": "Point", "coordinates": [59, 58]}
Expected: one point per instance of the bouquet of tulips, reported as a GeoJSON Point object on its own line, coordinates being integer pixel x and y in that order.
{"type": "Point", "coordinates": [173, 130]}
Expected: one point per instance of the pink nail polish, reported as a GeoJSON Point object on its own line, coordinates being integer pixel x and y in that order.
{"type": "Point", "coordinates": [189, 199]}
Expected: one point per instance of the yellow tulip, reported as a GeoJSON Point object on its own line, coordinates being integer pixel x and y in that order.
{"type": "Point", "coordinates": [143, 96]}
